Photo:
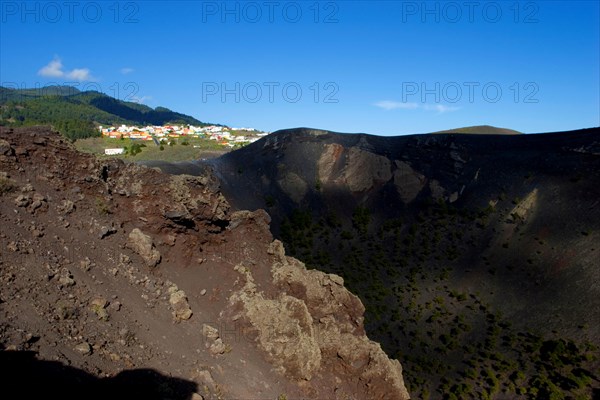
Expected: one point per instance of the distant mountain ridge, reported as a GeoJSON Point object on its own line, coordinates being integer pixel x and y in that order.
{"type": "Point", "coordinates": [76, 114]}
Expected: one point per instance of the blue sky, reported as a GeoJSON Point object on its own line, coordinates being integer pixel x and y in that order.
{"type": "Point", "coordinates": [388, 68]}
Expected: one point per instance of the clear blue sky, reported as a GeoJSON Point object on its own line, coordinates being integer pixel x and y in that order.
{"type": "Point", "coordinates": [389, 67]}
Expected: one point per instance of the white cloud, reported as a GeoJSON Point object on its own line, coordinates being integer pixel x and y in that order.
{"type": "Point", "coordinates": [396, 105]}
{"type": "Point", "coordinates": [80, 74]}
{"type": "Point", "coordinates": [53, 69]}
{"type": "Point", "coordinates": [393, 105]}
{"type": "Point", "coordinates": [126, 70]}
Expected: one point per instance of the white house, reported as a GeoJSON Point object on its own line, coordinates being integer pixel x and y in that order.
{"type": "Point", "coordinates": [114, 152]}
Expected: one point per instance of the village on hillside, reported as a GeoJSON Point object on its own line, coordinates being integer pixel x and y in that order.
{"type": "Point", "coordinates": [222, 135]}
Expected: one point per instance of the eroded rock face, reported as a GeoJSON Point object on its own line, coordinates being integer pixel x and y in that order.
{"type": "Point", "coordinates": [338, 318]}
{"type": "Point", "coordinates": [527, 206]}
{"type": "Point", "coordinates": [258, 217]}
{"type": "Point", "coordinates": [284, 329]}
{"type": "Point", "coordinates": [294, 186]}
{"type": "Point", "coordinates": [315, 323]}
{"type": "Point", "coordinates": [200, 205]}
{"type": "Point", "coordinates": [326, 163]}
{"type": "Point", "coordinates": [143, 245]}
{"type": "Point", "coordinates": [409, 182]}
{"type": "Point", "coordinates": [437, 191]}
{"type": "Point", "coordinates": [364, 169]}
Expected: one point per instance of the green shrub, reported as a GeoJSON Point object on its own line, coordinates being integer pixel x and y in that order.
{"type": "Point", "coordinates": [269, 201]}
{"type": "Point", "coordinates": [361, 219]}
{"type": "Point", "coordinates": [346, 235]}
{"type": "Point", "coordinates": [102, 207]}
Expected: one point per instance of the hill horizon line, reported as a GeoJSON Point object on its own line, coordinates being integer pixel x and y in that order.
{"type": "Point", "coordinates": [65, 91]}
{"type": "Point", "coordinates": [468, 130]}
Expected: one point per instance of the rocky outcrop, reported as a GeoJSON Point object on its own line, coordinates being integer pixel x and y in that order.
{"type": "Point", "coordinates": [283, 326]}
{"type": "Point", "coordinates": [363, 169]}
{"type": "Point", "coordinates": [200, 203]}
{"type": "Point", "coordinates": [259, 217]}
{"type": "Point", "coordinates": [524, 207]}
{"type": "Point", "coordinates": [143, 245]}
{"type": "Point", "coordinates": [294, 186]}
{"type": "Point", "coordinates": [6, 149]}
{"type": "Point", "coordinates": [409, 182]}
{"type": "Point", "coordinates": [338, 323]}
{"type": "Point", "coordinates": [179, 303]}
{"type": "Point", "coordinates": [329, 157]}
{"type": "Point", "coordinates": [437, 191]}
{"type": "Point", "coordinates": [315, 324]}
{"type": "Point", "coordinates": [214, 343]}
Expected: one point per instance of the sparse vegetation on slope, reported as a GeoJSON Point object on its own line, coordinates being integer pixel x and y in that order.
{"type": "Point", "coordinates": [452, 342]}
{"type": "Point", "coordinates": [469, 251]}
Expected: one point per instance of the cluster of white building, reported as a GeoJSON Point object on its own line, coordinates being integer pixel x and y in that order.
{"type": "Point", "coordinates": [222, 134]}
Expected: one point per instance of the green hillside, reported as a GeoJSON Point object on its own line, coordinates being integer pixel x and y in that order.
{"type": "Point", "coordinates": [482, 130]}
{"type": "Point", "coordinates": [77, 114]}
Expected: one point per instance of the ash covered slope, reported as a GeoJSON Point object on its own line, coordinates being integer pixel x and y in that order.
{"type": "Point", "coordinates": [117, 269]}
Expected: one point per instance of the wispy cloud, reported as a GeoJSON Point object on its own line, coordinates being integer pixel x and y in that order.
{"type": "Point", "coordinates": [396, 105]}
{"type": "Point", "coordinates": [126, 70]}
{"type": "Point", "coordinates": [55, 69]}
